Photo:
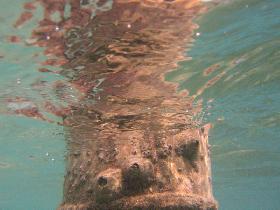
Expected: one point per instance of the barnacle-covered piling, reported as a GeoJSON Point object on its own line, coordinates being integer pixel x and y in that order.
{"type": "Point", "coordinates": [132, 140]}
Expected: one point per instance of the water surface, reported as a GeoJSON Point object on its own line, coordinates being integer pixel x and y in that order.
{"type": "Point", "coordinates": [235, 71]}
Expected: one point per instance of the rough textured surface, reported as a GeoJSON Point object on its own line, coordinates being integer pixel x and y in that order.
{"type": "Point", "coordinates": [132, 141]}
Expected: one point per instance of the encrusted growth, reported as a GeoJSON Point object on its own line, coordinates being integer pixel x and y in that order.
{"type": "Point", "coordinates": [132, 141]}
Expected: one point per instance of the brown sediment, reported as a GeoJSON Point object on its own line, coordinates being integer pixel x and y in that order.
{"type": "Point", "coordinates": [132, 140]}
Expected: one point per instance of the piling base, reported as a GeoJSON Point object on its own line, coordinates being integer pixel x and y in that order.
{"type": "Point", "coordinates": [156, 201]}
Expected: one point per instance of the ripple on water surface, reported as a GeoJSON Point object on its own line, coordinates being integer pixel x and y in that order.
{"type": "Point", "coordinates": [235, 70]}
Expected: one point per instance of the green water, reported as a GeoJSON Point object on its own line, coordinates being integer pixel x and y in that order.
{"type": "Point", "coordinates": [243, 38]}
{"type": "Point", "coordinates": [29, 177]}
{"type": "Point", "coordinates": [31, 151]}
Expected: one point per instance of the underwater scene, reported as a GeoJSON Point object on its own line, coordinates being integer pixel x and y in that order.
{"type": "Point", "coordinates": [235, 71]}
{"type": "Point", "coordinates": [130, 104]}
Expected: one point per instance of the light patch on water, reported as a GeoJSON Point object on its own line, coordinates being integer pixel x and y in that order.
{"type": "Point", "coordinates": [4, 165]}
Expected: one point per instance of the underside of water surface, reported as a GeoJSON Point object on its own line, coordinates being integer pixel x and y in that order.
{"type": "Point", "coordinates": [230, 72]}
{"type": "Point", "coordinates": [234, 70]}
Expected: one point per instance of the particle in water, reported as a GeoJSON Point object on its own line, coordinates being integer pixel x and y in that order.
{"type": "Point", "coordinates": [220, 119]}
{"type": "Point", "coordinates": [197, 34]}
{"type": "Point", "coordinates": [57, 28]}
{"type": "Point", "coordinates": [128, 25]}
{"type": "Point", "coordinates": [47, 154]}
{"type": "Point", "coordinates": [4, 165]}
{"type": "Point", "coordinates": [30, 41]}
{"type": "Point", "coordinates": [18, 81]}
{"type": "Point", "coordinates": [48, 37]}
{"type": "Point", "coordinates": [52, 159]}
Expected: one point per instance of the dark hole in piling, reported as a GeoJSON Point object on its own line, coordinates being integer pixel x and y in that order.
{"type": "Point", "coordinates": [135, 166]}
{"type": "Point", "coordinates": [102, 181]}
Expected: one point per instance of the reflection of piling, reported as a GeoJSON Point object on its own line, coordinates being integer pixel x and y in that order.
{"type": "Point", "coordinates": [133, 144]}
{"type": "Point", "coordinates": [146, 160]}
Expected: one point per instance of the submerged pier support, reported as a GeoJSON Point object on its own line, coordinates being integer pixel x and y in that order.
{"type": "Point", "coordinates": [132, 141]}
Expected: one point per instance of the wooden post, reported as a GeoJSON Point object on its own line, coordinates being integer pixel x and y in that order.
{"type": "Point", "coordinates": [132, 141]}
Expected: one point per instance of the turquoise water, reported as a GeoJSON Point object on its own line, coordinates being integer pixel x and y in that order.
{"type": "Point", "coordinates": [31, 151]}
{"type": "Point", "coordinates": [242, 40]}
{"type": "Point", "coordinates": [29, 177]}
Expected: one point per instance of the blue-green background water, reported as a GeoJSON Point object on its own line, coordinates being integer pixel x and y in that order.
{"type": "Point", "coordinates": [243, 37]}
{"type": "Point", "coordinates": [31, 151]}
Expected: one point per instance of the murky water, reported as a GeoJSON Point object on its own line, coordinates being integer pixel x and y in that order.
{"type": "Point", "coordinates": [235, 70]}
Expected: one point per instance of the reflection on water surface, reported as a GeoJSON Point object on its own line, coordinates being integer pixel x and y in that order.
{"type": "Point", "coordinates": [239, 49]}
{"type": "Point", "coordinates": [128, 132]}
